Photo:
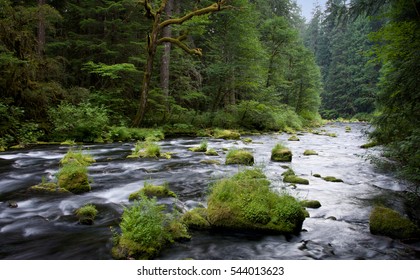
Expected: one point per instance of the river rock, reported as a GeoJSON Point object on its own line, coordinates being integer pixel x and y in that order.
{"type": "Point", "coordinates": [12, 204]}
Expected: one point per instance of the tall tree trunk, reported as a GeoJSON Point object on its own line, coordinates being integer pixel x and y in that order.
{"type": "Point", "coordinates": [166, 56]}
{"type": "Point", "coordinates": [41, 28]}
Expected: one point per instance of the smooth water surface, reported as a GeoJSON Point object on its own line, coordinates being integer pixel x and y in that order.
{"type": "Point", "coordinates": [45, 227]}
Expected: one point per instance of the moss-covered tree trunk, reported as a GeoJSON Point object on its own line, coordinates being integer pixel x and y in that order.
{"type": "Point", "coordinates": [153, 41]}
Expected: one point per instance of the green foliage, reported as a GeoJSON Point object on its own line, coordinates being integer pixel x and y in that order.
{"type": "Point", "coordinates": [281, 153]}
{"type": "Point", "coordinates": [121, 133]}
{"type": "Point", "coordinates": [150, 191]}
{"type": "Point", "coordinates": [235, 156]}
{"type": "Point", "coordinates": [77, 157]}
{"type": "Point", "coordinates": [385, 221]}
{"type": "Point", "coordinates": [226, 134]}
{"type": "Point", "coordinates": [146, 149]}
{"type": "Point", "coordinates": [81, 123]}
{"type": "Point", "coordinates": [245, 201]}
{"type": "Point", "coordinates": [146, 229]}
{"type": "Point", "coordinates": [196, 219]}
{"type": "Point", "coordinates": [86, 214]}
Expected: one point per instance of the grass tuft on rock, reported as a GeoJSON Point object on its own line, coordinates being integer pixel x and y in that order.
{"type": "Point", "coordinates": [227, 134]}
{"type": "Point", "coordinates": [150, 191]}
{"type": "Point", "coordinates": [281, 153]}
{"type": "Point", "coordinates": [239, 157]}
{"type": "Point", "coordinates": [245, 202]}
{"type": "Point", "coordinates": [86, 214]}
{"type": "Point", "coordinates": [387, 222]}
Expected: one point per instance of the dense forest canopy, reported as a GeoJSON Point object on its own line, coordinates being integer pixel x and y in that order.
{"type": "Point", "coordinates": [78, 69]}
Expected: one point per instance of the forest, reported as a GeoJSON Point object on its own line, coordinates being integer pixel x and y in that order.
{"type": "Point", "coordinates": [209, 129]}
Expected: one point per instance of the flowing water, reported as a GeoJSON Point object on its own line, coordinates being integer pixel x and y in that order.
{"type": "Point", "coordinates": [45, 227]}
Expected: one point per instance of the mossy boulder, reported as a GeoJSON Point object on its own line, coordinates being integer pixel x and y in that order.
{"type": "Point", "coordinates": [201, 148]}
{"type": "Point", "coordinates": [239, 157]}
{"type": "Point", "coordinates": [196, 218]}
{"type": "Point", "coordinates": [245, 202]}
{"type": "Point", "coordinates": [317, 175]}
{"type": "Point", "coordinates": [293, 138]}
{"type": "Point", "coordinates": [293, 179]}
{"type": "Point", "coordinates": [385, 221]}
{"type": "Point", "coordinates": [210, 161]}
{"type": "Point", "coordinates": [311, 204]}
{"type": "Point", "coordinates": [369, 145]}
{"type": "Point", "coordinates": [310, 153]}
{"type": "Point", "coordinates": [281, 154]}
{"type": "Point", "coordinates": [74, 178]}
{"type": "Point", "coordinates": [332, 179]}
{"type": "Point", "coordinates": [227, 134]}
{"type": "Point", "coordinates": [150, 190]}
{"type": "Point", "coordinates": [211, 152]}
{"type": "Point", "coordinates": [48, 188]}
{"type": "Point", "coordinates": [247, 140]}
{"type": "Point", "coordinates": [77, 157]}
{"type": "Point", "coordinates": [86, 214]}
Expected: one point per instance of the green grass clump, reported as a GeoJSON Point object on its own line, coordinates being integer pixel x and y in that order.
{"type": "Point", "coordinates": [245, 202]}
{"type": "Point", "coordinates": [227, 134]}
{"type": "Point", "coordinates": [211, 152]}
{"type": "Point", "coordinates": [239, 157]}
{"type": "Point", "coordinates": [201, 148]}
{"type": "Point", "coordinates": [150, 190]}
{"type": "Point", "coordinates": [385, 221]}
{"type": "Point", "coordinates": [77, 157]}
{"type": "Point", "coordinates": [146, 149]}
{"type": "Point", "coordinates": [281, 153]}
{"type": "Point", "coordinates": [146, 229]}
{"type": "Point", "coordinates": [48, 188]}
{"type": "Point", "coordinates": [87, 214]}
{"type": "Point", "coordinates": [196, 219]}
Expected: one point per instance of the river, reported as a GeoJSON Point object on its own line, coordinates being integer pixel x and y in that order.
{"type": "Point", "coordinates": [45, 227]}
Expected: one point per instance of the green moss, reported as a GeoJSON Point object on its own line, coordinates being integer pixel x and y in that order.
{"type": "Point", "coordinates": [245, 202]}
{"type": "Point", "coordinates": [247, 140]}
{"type": "Point", "coordinates": [385, 221]}
{"type": "Point", "coordinates": [121, 133]}
{"type": "Point", "coordinates": [369, 145]}
{"type": "Point", "coordinates": [293, 138]}
{"type": "Point", "coordinates": [227, 134]}
{"type": "Point", "coordinates": [147, 149]}
{"type": "Point", "coordinates": [331, 134]}
{"type": "Point", "coordinates": [293, 179]}
{"type": "Point", "coordinates": [281, 153]}
{"type": "Point", "coordinates": [288, 172]}
{"type": "Point", "coordinates": [68, 142]}
{"type": "Point", "coordinates": [348, 128]}
{"type": "Point", "coordinates": [150, 190]}
{"type": "Point", "coordinates": [239, 157]}
{"type": "Point", "coordinates": [145, 229]}
{"type": "Point", "coordinates": [317, 175]}
{"type": "Point", "coordinates": [48, 188]}
{"type": "Point", "coordinates": [201, 148]}
{"type": "Point", "coordinates": [310, 153]}
{"type": "Point", "coordinates": [77, 157]}
{"type": "Point", "coordinates": [211, 152]}
{"type": "Point", "coordinates": [87, 214]}
{"type": "Point", "coordinates": [196, 219]}
{"type": "Point", "coordinates": [73, 177]}
{"type": "Point", "coordinates": [310, 203]}
{"type": "Point", "coordinates": [332, 179]}
{"type": "Point", "coordinates": [210, 161]}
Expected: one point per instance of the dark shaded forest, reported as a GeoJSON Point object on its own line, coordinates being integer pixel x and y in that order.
{"type": "Point", "coordinates": [87, 70]}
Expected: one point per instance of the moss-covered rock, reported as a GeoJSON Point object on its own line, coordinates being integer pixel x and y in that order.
{"type": "Point", "coordinates": [310, 153]}
{"type": "Point", "coordinates": [86, 214]}
{"type": "Point", "coordinates": [385, 221]}
{"type": "Point", "coordinates": [74, 178]}
{"type": "Point", "coordinates": [369, 145]}
{"type": "Point", "coordinates": [77, 157]}
{"type": "Point", "coordinates": [293, 138]}
{"type": "Point", "coordinates": [211, 152]}
{"type": "Point", "coordinates": [332, 179]}
{"type": "Point", "coordinates": [150, 190]}
{"type": "Point", "coordinates": [281, 154]}
{"type": "Point", "coordinates": [210, 161]}
{"type": "Point", "coordinates": [48, 188]}
{"type": "Point", "coordinates": [196, 219]}
{"type": "Point", "coordinates": [201, 148]}
{"type": "Point", "coordinates": [227, 134]}
{"type": "Point", "coordinates": [317, 175]}
{"type": "Point", "coordinates": [310, 203]}
{"type": "Point", "coordinates": [247, 140]}
{"type": "Point", "coordinates": [293, 179]}
{"type": "Point", "coordinates": [245, 202]}
{"type": "Point", "coordinates": [239, 157]}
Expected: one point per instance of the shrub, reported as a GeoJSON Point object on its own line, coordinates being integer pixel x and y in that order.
{"type": "Point", "coordinates": [281, 153]}
{"type": "Point", "coordinates": [146, 229]}
{"type": "Point", "coordinates": [239, 157]}
{"type": "Point", "coordinates": [83, 122]}
{"type": "Point", "coordinates": [245, 202]}
{"type": "Point", "coordinates": [87, 214]}
{"type": "Point", "coordinates": [385, 221]}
